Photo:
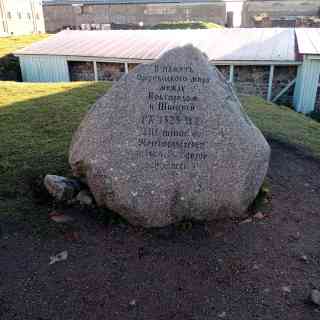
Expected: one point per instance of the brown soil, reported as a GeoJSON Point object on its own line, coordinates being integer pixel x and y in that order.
{"type": "Point", "coordinates": [232, 270]}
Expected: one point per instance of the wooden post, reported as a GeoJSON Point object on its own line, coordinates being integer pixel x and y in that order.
{"type": "Point", "coordinates": [271, 74]}
{"type": "Point", "coordinates": [126, 69]}
{"type": "Point", "coordinates": [95, 69]}
{"type": "Point", "coordinates": [231, 73]}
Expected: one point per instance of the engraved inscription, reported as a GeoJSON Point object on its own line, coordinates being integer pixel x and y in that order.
{"type": "Point", "coordinates": [171, 129]}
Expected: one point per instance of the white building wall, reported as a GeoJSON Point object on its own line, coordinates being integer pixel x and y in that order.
{"type": "Point", "coordinates": [305, 92]}
{"type": "Point", "coordinates": [18, 17]}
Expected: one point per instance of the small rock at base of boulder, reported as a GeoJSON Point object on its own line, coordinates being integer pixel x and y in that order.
{"type": "Point", "coordinates": [315, 296]}
{"type": "Point", "coordinates": [61, 188]}
{"type": "Point", "coordinates": [259, 215]}
{"type": "Point", "coordinates": [304, 258]}
{"type": "Point", "coordinates": [286, 289]}
{"type": "Point", "coordinates": [85, 198]}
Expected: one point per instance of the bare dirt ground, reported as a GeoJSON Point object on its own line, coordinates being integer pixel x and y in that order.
{"type": "Point", "coordinates": [262, 269]}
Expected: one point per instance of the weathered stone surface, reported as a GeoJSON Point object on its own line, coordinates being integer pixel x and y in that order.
{"type": "Point", "coordinates": [315, 296]}
{"type": "Point", "coordinates": [85, 198]}
{"type": "Point", "coordinates": [171, 141]}
{"type": "Point", "coordinates": [61, 188]}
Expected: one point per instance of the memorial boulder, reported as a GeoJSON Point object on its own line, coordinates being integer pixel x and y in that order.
{"type": "Point", "coordinates": [171, 141]}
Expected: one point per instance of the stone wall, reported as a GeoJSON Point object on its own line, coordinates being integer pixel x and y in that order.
{"type": "Point", "coordinates": [81, 71]}
{"type": "Point", "coordinates": [254, 80]}
{"type": "Point", "coordinates": [281, 13]}
{"type": "Point", "coordinates": [224, 70]}
{"type": "Point", "coordinates": [251, 80]}
{"type": "Point", "coordinates": [283, 75]}
{"type": "Point", "coordinates": [108, 71]}
{"type": "Point", "coordinates": [58, 17]}
{"type": "Point", "coordinates": [317, 106]}
{"type": "Point", "coordinates": [132, 65]}
{"type": "Point", "coordinates": [248, 80]}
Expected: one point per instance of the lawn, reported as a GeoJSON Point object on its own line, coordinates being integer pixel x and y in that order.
{"type": "Point", "coordinates": [9, 45]}
{"type": "Point", "coordinates": [37, 122]}
{"type": "Point", "coordinates": [284, 124]}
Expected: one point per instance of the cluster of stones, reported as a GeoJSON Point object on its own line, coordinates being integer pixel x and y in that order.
{"type": "Point", "coordinates": [67, 190]}
{"type": "Point", "coordinates": [171, 141]}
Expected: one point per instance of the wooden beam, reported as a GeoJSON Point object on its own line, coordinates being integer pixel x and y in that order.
{"type": "Point", "coordinates": [231, 73]}
{"type": "Point", "coordinates": [95, 69]}
{"type": "Point", "coordinates": [271, 74]}
{"type": "Point", "coordinates": [284, 90]}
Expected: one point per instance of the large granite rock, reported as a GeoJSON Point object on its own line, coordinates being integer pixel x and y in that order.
{"type": "Point", "coordinates": [170, 141]}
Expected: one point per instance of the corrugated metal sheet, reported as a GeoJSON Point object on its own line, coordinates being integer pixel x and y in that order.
{"type": "Point", "coordinates": [44, 69]}
{"type": "Point", "coordinates": [306, 86]}
{"type": "Point", "coordinates": [269, 44]}
{"type": "Point", "coordinates": [308, 40]}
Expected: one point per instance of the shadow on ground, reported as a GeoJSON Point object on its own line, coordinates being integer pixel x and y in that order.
{"type": "Point", "coordinates": [37, 123]}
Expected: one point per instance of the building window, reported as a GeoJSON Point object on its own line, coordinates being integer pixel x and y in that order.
{"type": "Point", "coordinates": [29, 15]}
{"type": "Point", "coordinates": [37, 16]}
{"type": "Point", "coordinates": [9, 15]}
{"type": "Point", "coordinates": [19, 15]}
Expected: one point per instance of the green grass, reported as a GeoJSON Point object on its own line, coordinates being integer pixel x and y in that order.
{"type": "Point", "coordinates": [36, 126]}
{"type": "Point", "coordinates": [284, 124]}
{"type": "Point", "coordinates": [187, 25]}
{"type": "Point", "coordinates": [8, 45]}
